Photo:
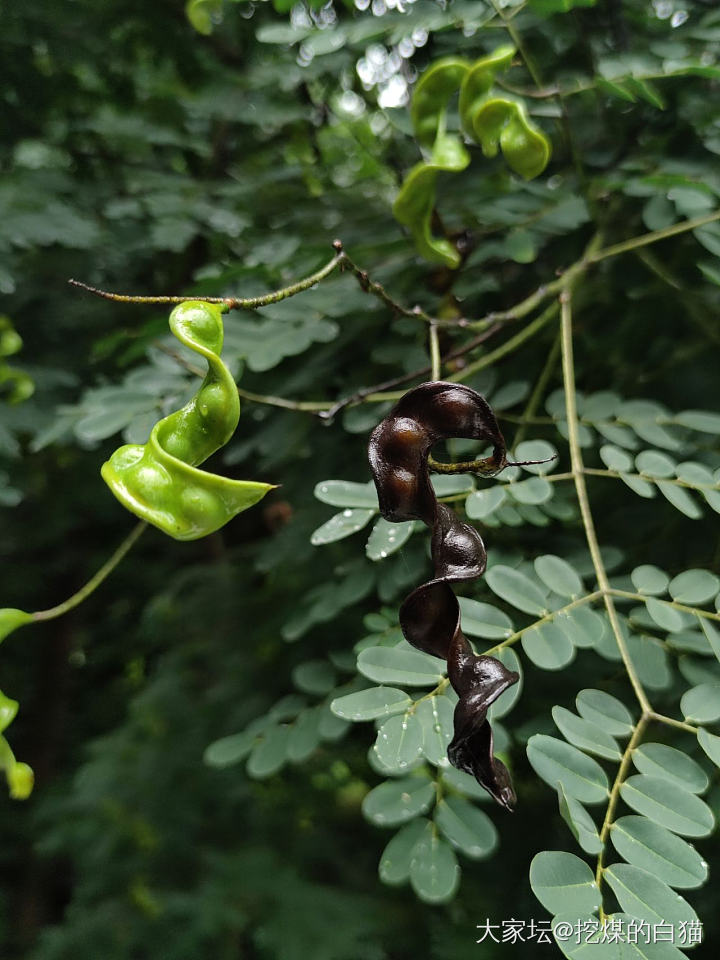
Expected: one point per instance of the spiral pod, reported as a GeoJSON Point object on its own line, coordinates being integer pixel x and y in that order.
{"type": "Point", "coordinates": [495, 122]}
{"type": "Point", "coordinates": [430, 616]}
{"type": "Point", "coordinates": [159, 480]}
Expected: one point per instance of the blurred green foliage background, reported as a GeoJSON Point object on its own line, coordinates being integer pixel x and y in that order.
{"type": "Point", "coordinates": [141, 156]}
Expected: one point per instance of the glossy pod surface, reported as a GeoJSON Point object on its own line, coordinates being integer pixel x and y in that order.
{"type": "Point", "coordinates": [159, 480]}
{"type": "Point", "coordinates": [430, 615]}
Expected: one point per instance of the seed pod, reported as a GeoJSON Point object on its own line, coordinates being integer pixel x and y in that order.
{"type": "Point", "coordinates": [159, 480]}
{"type": "Point", "coordinates": [430, 616]}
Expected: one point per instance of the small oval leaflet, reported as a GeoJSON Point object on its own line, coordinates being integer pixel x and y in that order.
{"type": "Point", "coordinates": [660, 760]}
{"type": "Point", "coordinates": [644, 896]}
{"type": "Point", "coordinates": [694, 587]}
{"type": "Point", "coordinates": [701, 704]}
{"type": "Point", "coordinates": [341, 525]}
{"type": "Point", "coordinates": [710, 744]}
{"type": "Point", "coordinates": [669, 805]}
{"type": "Point", "coordinates": [435, 716]}
{"type": "Point", "coordinates": [650, 580]}
{"type": "Point", "coordinates": [602, 708]}
{"type": "Point", "coordinates": [517, 589]}
{"type": "Point", "coordinates": [269, 755]}
{"type": "Point", "coordinates": [582, 826]}
{"type": "Point", "coordinates": [304, 736]}
{"type": "Point", "coordinates": [399, 742]}
{"type": "Point", "coordinates": [558, 575]}
{"type": "Point", "coordinates": [434, 870]}
{"type": "Point", "coordinates": [400, 665]}
{"type": "Point", "coordinates": [371, 703]}
{"type": "Point", "coordinates": [397, 801]}
{"type": "Point", "coordinates": [394, 866]}
{"type": "Point", "coordinates": [563, 882]}
{"type": "Point", "coordinates": [585, 734]}
{"type": "Point", "coordinates": [466, 827]}
{"type": "Point", "coordinates": [347, 493]}
{"type": "Point", "coordinates": [548, 647]}
{"type": "Point", "coordinates": [484, 620]}
{"type": "Point", "coordinates": [556, 761]}
{"type": "Point", "coordinates": [655, 849]}
{"type": "Point", "coordinates": [387, 538]}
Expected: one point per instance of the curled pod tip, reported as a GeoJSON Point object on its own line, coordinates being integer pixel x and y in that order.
{"type": "Point", "coordinates": [430, 97]}
{"type": "Point", "coordinates": [415, 202]}
{"type": "Point", "coordinates": [430, 616]}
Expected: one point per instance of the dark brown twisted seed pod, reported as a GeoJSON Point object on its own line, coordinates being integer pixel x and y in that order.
{"type": "Point", "coordinates": [430, 615]}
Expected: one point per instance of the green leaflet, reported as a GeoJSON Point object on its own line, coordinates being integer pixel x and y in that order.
{"type": "Point", "coordinates": [434, 870]}
{"type": "Point", "coordinates": [159, 480]}
{"type": "Point", "coordinates": [658, 851]}
{"type": "Point", "coordinates": [562, 881]}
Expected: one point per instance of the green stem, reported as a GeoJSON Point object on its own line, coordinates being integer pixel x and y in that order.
{"type": "Point", "coordinates": [671, 722]}
{"type": "Point", "coordinates": [582, 496]}
{"type": "Point", "coordinates": [94, 582]}
{"type": "Point", "coordinates": [538, 391]}
{"type": "Point", "coordinates": [616, 475]}
{"type": "Point", "coordinates": [615, 793]}
{"type": "Point", "coordinates": [508, 347]}
{"type": "Point", "coordinates": [518, 41]}
{"type": "Point", "coordinates": [643, 598]}
{"type": "Point", "coordinates": [654, 237]}
{"type": "Point", "coordinates": [309, 406]}
{"type": "Point", "coordinates": [548, 618]}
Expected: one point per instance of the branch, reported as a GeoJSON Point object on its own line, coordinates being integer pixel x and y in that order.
{"type": "Point", "coordinates": [94, 582]}
{"type": "Point", "coordinates": [654, 237]}
{"type": "Point", "coordinates": [581, 490]}
{"type": "Point", "coordinates": [615, 794]}
{"type": "Point", "coordinates": [232, 303]}
{"type": "Point", "coordinates": [508, 347]}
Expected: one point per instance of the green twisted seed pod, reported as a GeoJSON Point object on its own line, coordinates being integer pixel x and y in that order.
{"type": "Point", "coordinates": [159, 480]}
{"type": "Point", "coordinates": [19, 776]}
{"type": "Point", "coordinates": [10, 619]}
{"type": "Point", "coordinates": [499, 121]}
{"type": "Point", "coordinates": [414, 204]}
{"type": "Point", "coordinates": [478, 82]}
{"type": "Point", "coordinates": [431, 95]}
{"type": "Point", "coordinates": [21, 384]}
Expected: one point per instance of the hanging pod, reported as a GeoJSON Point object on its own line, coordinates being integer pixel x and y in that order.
{"type": "Point", "coordinates": [492, 121]}
{"type": "Point", "coordinates": [430, 616]}
{"type": "Point", "coordinates": [159, 480]}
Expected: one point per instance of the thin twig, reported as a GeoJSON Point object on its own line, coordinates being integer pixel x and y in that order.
{"type": "Point", "coordinates": [378, 290]}
{"type": "Point", "coordinates": [94, 582]}
{"type": "Point", "coordinates": [653, 237]}
{"type": "Point", "coordinates": [231, 303]}
{"type": "Point", "coordinates": [508, 347]}
{"type": "Point", "coordinates": [538, 391]}
{"type": "Point", "coordinates": [637, 734]}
